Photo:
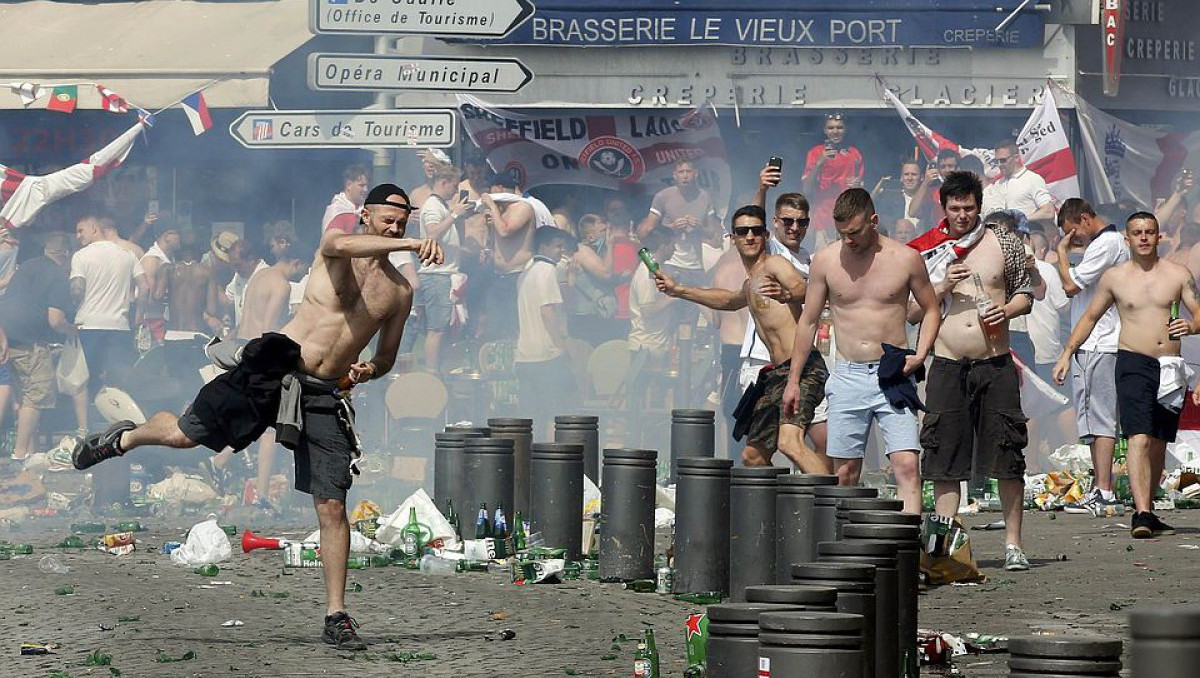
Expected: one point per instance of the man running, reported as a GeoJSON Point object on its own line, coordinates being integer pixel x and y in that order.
{"type": "Point", "coordinates": [866, 278]}
{"type": "Point", "coordinates": [1143, 289]}
{"type": "Point", "coordinates": [774, 293]}
{"type": "Point", "coordinates": [298, 376]}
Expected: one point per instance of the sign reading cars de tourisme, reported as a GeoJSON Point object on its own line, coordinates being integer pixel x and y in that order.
{"type": "Point", "coordinates": [464, 18]}
{"type": "Point", "coordinates": [412, 128]}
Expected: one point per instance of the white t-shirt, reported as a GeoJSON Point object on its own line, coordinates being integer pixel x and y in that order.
{"type": "Point", "coordinates": [752, 346]}
{"type": "Point", "coordinates": [536, 287]}
{"type": "Point", "coordinates": [107, 270]}
{"type": "Point", "coordinates": [1025, 191]}
{"type": "Point", "coordinates": [647, 331]}
{"type": "Point", "coordinates": [235, 291]}
{"type": "Point", "coordinates": [154, 309]}
{"type": "Point", "coordinates": [433, 211]}
{"type": "Point", "coordinates": [1044, 320]}
{"type": "Point", "coordinates": [1106, 250]}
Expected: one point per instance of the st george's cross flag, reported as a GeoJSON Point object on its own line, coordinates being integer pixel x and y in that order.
{"type": "Point", "coordinates": [111, 101]}
{"type": "Point", "coordinates": [197, 113]}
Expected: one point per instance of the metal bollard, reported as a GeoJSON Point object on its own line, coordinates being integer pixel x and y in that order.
{"type": "Point", "coordinates": [1064, 657]}
{"type": "Point", "coordinates": [448, 468]}
{"type": "Point", "coordinates": [556, 470]}
{"type": "Point", "coordinates": [882, 555]}
{"type": "Point", "coordinates": [702, 524]}
{"type": "Point", "coordinates": [627, 515]}
{"type": "Point", "coordinates": [812, 598]}
{"type": "Point", "coordinates": [693, 434]}
{"type": "Point", "coordinates": [487, 476]}
{"type": "Point", "coordinates": [825, 644]}
{"type": "Point", "coordinates": [581, 430]}
{"type": "Point", "coordinates": [794, 521]}
{"type": "Point", "coordinates": [752, 528]}
{"type": "Point", "coordinates": [825, 501]}
{"type": "Point", "coordinates": [732, 650]}
{"type": "Point", "coordinates": [905, 532]}
{"type": "Point", "coordinates": [521, 433]}
{"type": "Point", "coordinates": [855, 584]}
{"type": "Point", "coordinates": [1166, 641]}
{"type": "Point", "coordinates": [847, 504]}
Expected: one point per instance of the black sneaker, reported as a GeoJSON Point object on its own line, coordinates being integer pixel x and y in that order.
{"type": "Point", "coordinates": [94, 449]}
{"type": "Point", "coordinates": [1146, 525]}
{"type": "Point", "coordinates": [339, 631]}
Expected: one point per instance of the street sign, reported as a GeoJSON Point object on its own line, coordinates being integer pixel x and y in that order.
{"type": "Point", "coordinates": [460, 18]}
{"type": "Point", "coordinates": [378, 73]}
{"type": "Point", "coordinates": [411, 128]}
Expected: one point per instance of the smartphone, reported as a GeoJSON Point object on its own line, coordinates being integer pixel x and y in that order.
{"type": "Point", "coordinates": [152, 207]}
{"type": "Point", "coordinates": [777, 163]}
{"type": "Point", "coordinates": [463, 195]}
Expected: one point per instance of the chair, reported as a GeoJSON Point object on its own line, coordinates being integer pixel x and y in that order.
{"type": "Point", "coordinates": [606, 368]}
{"type": "Point", "coordinates": [416, 401]}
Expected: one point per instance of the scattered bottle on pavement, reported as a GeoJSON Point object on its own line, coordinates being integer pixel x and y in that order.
{"type": "Point", "coordinates": [87, 528]}
{"type": "Point", "coordinates": [641, 661]}
{"type": "Point", "coordinates": [500, 523]}
{"type": "Point", "coordinates": [358, 563]}
{"type": "Point", "coordinates": [652, 654]}
{"type": "Point", "coordinates": [483, 527]}
{"type": "Point", "coordinates": [701, 597]}
{"type": "Point", "coordinates": [518, 533]}
{"type": "Point", "coordinates": [208, 570]}
{"type": "Point", "coordinates": [452, 518]}
{"type": "Point", "coordinates": [639, 585]}
{"type": "Point", "coordinates": [50, 564]}
{"type": "Point", "coordinates": [410, 539]}
{"type": "Point", "coordinates": [664, 576]}
{"type": "Point", "coordinates": [71, 542]}
{"type": "Point", "coordinates": [431, 564]}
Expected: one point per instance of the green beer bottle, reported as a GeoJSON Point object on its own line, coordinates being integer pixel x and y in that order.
{"type": "Point", "coordinates": [410, 539]}
{"type": "Point", "coordinates": [652, 654]}
{"type": "Point", "coordinates": [641, 661]}
{"type": "Point", "coordinates": [518, 532]}
{"type": "Point", "coordinates": [209, 570]}
{"type": "Point", "coordinates": [648, 260]}
{"type": "Point", "coordinates": [452, 518]}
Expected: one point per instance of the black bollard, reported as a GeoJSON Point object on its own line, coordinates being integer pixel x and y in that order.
{"type": "Point", "coordinates": [752, 528]}
{"type": "Point", "coordinates": [447, 468]}
{"type": "Point", "coordinates": [825, 501]}
{"type": "Point", "coordinates": [581, 430]}
{"type": "Point", "coordinates": [487, 477]}
{"type": "Point", "coordinates": [521, 433]}
{"type": "Point", "coordinates": [556, 509]}
{"type": "Point", "coordinates": [824, 644]}
{"type": "Point", "coordinates": [812, 598]}
{"type": "Point", "coordinates": [847, 504]}
{"type": "Point", "coordinates": [855, 584]}
{"type": "Point", "coordinates": [693, 434]}
{"type": "Point", "coordinates": [627, 515]}
{"type": "Point", "coordinates": [1166, 641]}
{"type": "Point", "coordinates": [905, 532]}
{"type": "Point", "coordinates": [882, 555]}
{"type": "Point", "coordinates": [732, 650]}
{"type": "Point", "coordinates": [1068, 656]}
{"type": "Point", "coordinates": [794, 521]}
{"type": "Point", "coordinates": [702, 525]}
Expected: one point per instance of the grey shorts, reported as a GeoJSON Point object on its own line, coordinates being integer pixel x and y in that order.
{"type": "Point", "coordinates": [323, 453]}
{"type": "Point", "coordinates": [433, 298]}
{"type": "Point", "coordinates": [1094, 385]}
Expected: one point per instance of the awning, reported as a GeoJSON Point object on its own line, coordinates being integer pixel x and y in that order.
{"type": "Point", "coordinates": [150, 52]}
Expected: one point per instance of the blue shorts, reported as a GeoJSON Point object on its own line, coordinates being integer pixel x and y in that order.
{"type": "Point", "coordinates": [855, 400]}
{"type": "Point", "coordinates": [6, 375]}
{"type": "Point", "coordinates": [433, 298]}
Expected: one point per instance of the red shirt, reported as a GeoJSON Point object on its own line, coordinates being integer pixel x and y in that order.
{"type": "Point", "coordinates": [346, 223]}
{"type": "Point", "coordinates": [835, 177]}
{"type": "Point", "coordinates": [624, 261]}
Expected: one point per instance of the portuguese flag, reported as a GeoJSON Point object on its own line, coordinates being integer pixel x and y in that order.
{"type": "Point", "coordinates": [63, 99]}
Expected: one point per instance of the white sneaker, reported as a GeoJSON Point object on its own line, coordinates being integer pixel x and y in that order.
{"type": "Point", "coordinates": [1085, 504]}
{"type": "Point", "coordinates": [1014, 559]}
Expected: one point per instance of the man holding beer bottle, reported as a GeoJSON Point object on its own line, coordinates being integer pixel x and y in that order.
{"type": "Point", "coordinates": [1146, 291]}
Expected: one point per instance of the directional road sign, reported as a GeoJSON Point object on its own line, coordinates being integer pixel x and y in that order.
{"type": "Point", "coordinates": [411, 127]}
{"type": "Point", "coordinates": [376, 73]}
{"type": "Point", "coordinates": [460, 18]}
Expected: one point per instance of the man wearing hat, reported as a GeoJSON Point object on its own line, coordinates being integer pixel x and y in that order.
{"type": "Point", "coordinates": [298, 380]}
{"type": "Point", "coordinates": [432, 159]}
{"type": "Point", "coordinates": [152, 280]}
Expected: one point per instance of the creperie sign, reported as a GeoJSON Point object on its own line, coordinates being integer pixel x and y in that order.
{"type": "Point", "coordinates": [1112, 19]}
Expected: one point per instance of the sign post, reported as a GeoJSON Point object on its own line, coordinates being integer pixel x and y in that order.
{"type": "Point", "coordinates": [381, 73]}
{"type": "Point", "coordinates": [411, 128]}
{"type": "Point", "coordinates": [1112, 28]}
{"type": "Point", "coordinates": [463, 18]}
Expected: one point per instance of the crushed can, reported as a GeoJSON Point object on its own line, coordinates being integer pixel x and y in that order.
{"type": "Point", "coordinates": [116, 543]}
{"type": "Point", "coordinates": [302, 554]}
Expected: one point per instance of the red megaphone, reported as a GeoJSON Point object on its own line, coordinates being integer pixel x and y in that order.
{"type": "Point", "coordinates": [251, 541]}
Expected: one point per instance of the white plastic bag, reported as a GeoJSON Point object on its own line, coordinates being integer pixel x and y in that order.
{"type": "Point", "coordinates": [206, 543]}
{"type": "Point", "coordinates": [72, 372]}
{"type": "Point", "coordinates": [591, 498]}
{"type": "Point", "coordinates": [428, 516]}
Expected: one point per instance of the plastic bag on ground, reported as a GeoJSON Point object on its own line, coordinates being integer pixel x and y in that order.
{"type": "Point", "coordinates": [359, 542]}
{"type": "Point", "coordinates": [664, 517]}
{"type": "Point", "coordinates": [182, 488]}
{"type": "Point", "coordinates": [206, 543]}
{"type": "Point", "coordinates": [1074, 458]}
{"type": "Point", "coordinates": [431, 519]}
{"type": "Point", "coordinates": [664, 497]}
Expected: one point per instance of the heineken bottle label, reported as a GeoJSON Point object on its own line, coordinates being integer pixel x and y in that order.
{"type": "Point", "coordinates": [764, 667]}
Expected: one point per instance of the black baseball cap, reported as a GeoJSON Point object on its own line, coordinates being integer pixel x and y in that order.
{"type": "Point", "coordinates": [380, 194]}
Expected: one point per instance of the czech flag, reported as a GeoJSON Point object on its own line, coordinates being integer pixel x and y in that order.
{"type": "Point", "coordinates": [197, 113]}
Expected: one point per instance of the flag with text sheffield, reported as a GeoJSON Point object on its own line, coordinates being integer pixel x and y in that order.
{"type": "Point", "coordinates": [602, 149]}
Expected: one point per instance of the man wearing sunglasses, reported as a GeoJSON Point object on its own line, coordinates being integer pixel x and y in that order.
{"type": "Point", "coordinates": [867, 278]}
{"type": "Point", "coordinates": [302, 375]}
{"type": "Point", "coordinates": [774, 293]}
{"type": "Point", "coordinates": [1018, 188]}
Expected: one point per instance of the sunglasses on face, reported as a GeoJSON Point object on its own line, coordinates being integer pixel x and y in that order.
{"type": "Point", "coordinates": [997, 161]}
{"type": "Point", "coordinates": [788, 222]}
{"type": "Point", "coordinates": [743, 231]}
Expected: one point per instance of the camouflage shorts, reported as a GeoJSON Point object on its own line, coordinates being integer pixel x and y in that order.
{"type": "Point", "coordinates": [768, 413]}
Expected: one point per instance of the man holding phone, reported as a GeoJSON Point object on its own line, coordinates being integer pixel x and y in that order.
{"type": "Point", "coordinates": [440, 216]}
{"type": "Point", "coordinates": [830, 168]}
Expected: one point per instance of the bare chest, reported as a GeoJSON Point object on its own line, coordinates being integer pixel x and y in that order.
{"type": "Point", "coordinates": [1145, 291]}
{"type": "Point", "coordinates": [881, 281]}
{"type": "Point", "coordinates": [987, 261]}
{"type": "Point", "coordinates": [365, 292]}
